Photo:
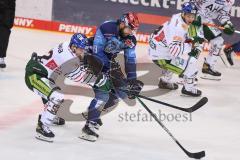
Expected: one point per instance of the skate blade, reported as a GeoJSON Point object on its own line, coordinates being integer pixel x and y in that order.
{"type": "Point", "coordinates": [42, 138]}
{"type": "Point", "coordinates": [189, 96]}
{"type": "Point", "coordinates": [87, 137]}
{"type": "Point", "coordinates": [209, 77]}
{"type": "Point", "coordinates": [180, 82]}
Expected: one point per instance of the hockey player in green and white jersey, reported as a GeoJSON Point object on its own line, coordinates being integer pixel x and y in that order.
{"type": "Point", "coordinates": [208, 11]}
{"type": "Point", "coordinates": [69, 59]}
{"type": "Point", "coordinates": [175, 48]}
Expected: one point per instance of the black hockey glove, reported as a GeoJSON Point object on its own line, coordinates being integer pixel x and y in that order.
{"type": "Point", "coordinates": [134, 87]}
{"type": "Point", "coordinates": [228, 28]}
{"type": "Point", "coordinates": [195, 52]}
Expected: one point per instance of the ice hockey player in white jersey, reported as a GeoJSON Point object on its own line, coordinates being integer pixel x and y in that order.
{"type": "Point", "coordinates": [175, 48]}
{"type": "Point", "coordinates": [208, 11]}
{"type": "Point", "coordinates": [69, 59]}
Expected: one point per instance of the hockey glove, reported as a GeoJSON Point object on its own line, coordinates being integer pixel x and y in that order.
{"type": "Point", "coordinates": [134, 87]}
{"type": "Point", "coordinates": [228, 28]}
{"type": "Point", "coordinates": [195, 52]}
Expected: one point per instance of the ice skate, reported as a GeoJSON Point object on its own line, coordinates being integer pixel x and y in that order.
{"type": "Point", "coordinates": [89, 132]}
{"type": "Point", "coordinates": [43, 132]}
{"type": "Point", "coordinates": [209, 73]}
{"type": "Point", "coordinates": [167, 85]}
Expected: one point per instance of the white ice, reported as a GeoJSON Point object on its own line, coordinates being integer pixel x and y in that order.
{"type": "Point", "coordinates": [214, 128]}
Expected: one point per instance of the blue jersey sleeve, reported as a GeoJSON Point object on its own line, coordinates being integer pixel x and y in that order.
{"type": "Point", "coordinates": [104, 33]}
{"type": "Point", "coordinates": [130, 43]}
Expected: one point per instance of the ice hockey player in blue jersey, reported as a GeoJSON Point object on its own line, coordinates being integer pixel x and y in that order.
{"type": "Point", "coordinates": [229, 50]}
{"type": "Point", "coordinates": [110, 39]}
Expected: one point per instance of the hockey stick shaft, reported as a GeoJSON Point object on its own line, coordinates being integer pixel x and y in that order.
{"type": "Point", "coordinates": [219, 27]}
{"type": "Point", "coordinates": [197, 155]}
{"type": "Point", "coordinates": [198, 105]}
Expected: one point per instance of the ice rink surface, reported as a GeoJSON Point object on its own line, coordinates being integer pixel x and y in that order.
{"type": "Point", "coordinates": [214, 128]}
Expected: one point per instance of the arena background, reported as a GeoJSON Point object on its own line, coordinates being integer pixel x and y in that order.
{"type": "Point", "coordinates": [91, 13]}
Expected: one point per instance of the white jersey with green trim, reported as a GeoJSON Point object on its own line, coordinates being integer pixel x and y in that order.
{"type": "Point", "coordinates": [214, 9]}
{"type": "Point", "coordinates": [169, 41]}
{"type": "Point", "coordinates": [61, 60]}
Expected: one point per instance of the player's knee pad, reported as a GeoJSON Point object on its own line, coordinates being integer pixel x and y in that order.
{"type": "Point", "coordinates": [96, 104]}
{"type": "Point", "coordinates": [216, 46]}
{"type": "Point", "coordinates": [56, 97]}
{"type": "Point", "coordinates": [49, 113]}
{"type": "Point", "coordinates": [51, 107]}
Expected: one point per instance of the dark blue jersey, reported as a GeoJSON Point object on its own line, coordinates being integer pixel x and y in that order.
{"type": "Point", "coordinates": [109, 32]}
{"type": "Point", "coordinates": [109, 29]}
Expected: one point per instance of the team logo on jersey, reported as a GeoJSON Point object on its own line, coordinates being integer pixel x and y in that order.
{"type": "Point", "coordinates": [51, 65]}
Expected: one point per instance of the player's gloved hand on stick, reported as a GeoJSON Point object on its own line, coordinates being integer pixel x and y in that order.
{"type": "Point", "coordinates": [134, 87]}
{"type": "Point", "coordinates": [228, 28]}
{"type": "Point", "coordinates": [195, 52]}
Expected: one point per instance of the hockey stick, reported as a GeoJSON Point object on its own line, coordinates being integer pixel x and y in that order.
{"type": "Point", "coordinates": [219, 27]}
{"type": "Point", "coordinates": [197, 155]}
{"type": "Point", "coordinates": [195, 107]}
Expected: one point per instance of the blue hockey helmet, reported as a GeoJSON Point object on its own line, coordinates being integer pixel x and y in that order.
{"type": "Point", "coordinates": [79, 40]}
{"type": "Point", "coordinates": [189, 7]}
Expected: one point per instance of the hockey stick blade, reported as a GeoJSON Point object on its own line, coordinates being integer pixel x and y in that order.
{"type": "Point", "coordinates": [198, 105]}
{"type": "Point", "coordinates": [197, 155]}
